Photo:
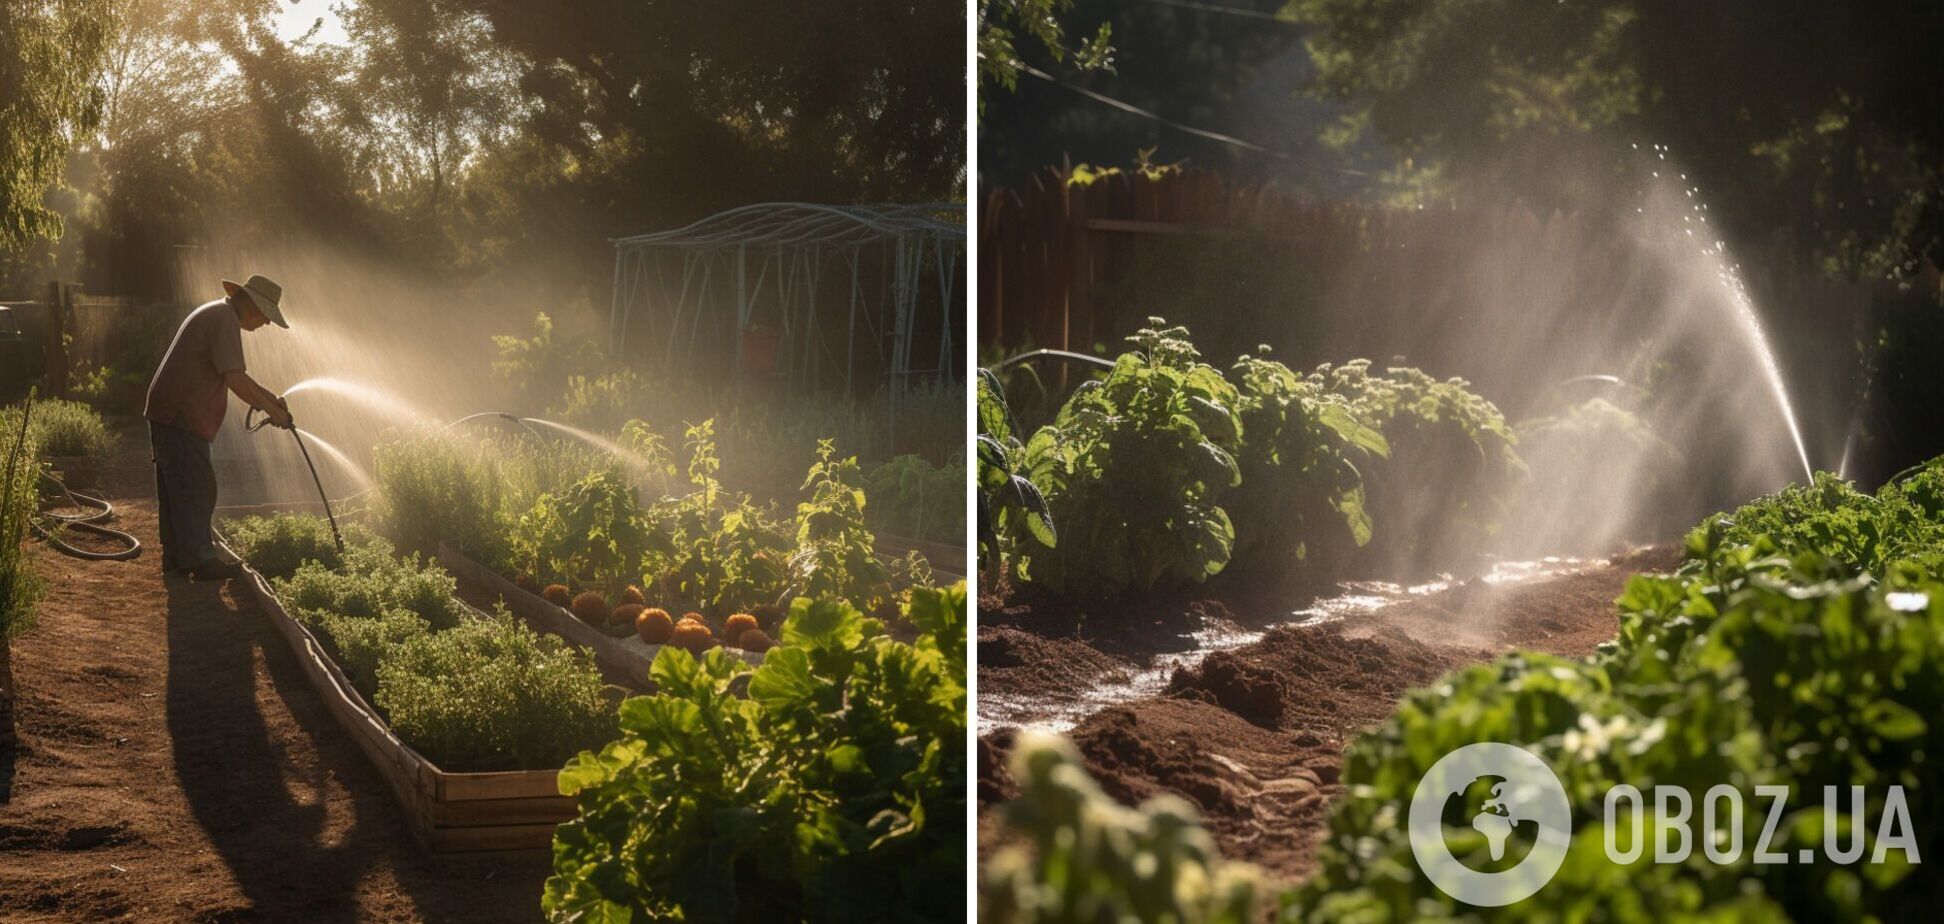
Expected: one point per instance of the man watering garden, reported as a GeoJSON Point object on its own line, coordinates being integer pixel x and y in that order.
{"type": "Point", "coordinates": [186, 404]}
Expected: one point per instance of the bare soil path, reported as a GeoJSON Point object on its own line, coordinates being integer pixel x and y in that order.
{"type": "Point", "coordinates": [174, 764]}
{"type": "Point", "coordinates": [1254, 735]}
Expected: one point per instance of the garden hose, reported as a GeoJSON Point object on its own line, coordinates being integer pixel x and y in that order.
{"type": "Point", "coordinates": [85, 522]}
{"type": "Point", "coordinates": [1060, 354]}
{"type": "Point", "coordinates": [502, 415]}
{"type": "Point", "coordinates": [252, 425]}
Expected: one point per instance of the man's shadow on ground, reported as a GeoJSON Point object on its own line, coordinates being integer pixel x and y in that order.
{"type": "Point", "coordinates": [241, 789]}
{"type": "Point", "coordinates": [235, 777]}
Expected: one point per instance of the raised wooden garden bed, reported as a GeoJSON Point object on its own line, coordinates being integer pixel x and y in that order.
{"type": "Point", "coordinates": [626, 661]}
{"type": "Point", "coordinates": [447, 812]}
{"type": "Point", "coordinates": [622, 661]}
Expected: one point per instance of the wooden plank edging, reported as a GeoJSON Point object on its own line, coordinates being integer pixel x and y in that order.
{"type": "Point", "coordinates": [628, 664]}
{"type": "Point", "coordinates": [446, 811]}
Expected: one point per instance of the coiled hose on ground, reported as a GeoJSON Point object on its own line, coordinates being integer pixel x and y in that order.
{"type": "Point", "coordinates": [83, 522]}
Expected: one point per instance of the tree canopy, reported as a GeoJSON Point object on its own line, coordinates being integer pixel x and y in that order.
{"type": "Point", "coordinates": [1232, 66]}
{"type": "Point", "coordinates": [50, 55]}
{"type": "Point", "coordinates": [476, 136]}
{"type": "Point", "coordinates": [1818, 124]}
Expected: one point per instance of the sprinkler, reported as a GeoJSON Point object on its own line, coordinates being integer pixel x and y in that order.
{"type": "Point", "coordinates": [251, 424]}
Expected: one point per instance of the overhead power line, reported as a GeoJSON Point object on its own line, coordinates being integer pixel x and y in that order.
{"type": "Point", "coordinates": [1219, 8]}
{"type": "Point", "coordinates": [1145, 114]}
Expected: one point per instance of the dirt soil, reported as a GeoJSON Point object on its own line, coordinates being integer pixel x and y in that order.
{"type": "Point", "coordinates": [174, 764]}
{"type": "Point", "coordinates": [1254, 735]}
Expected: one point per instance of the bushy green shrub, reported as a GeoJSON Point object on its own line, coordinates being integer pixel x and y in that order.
{"type": "Point", "coordinates": [602, 402]}
{"type": "Point", "coordinates": [364, 641]}
{"type": "Point", "coordinates": [835, 792]}
{"type": "Point", "coordinates": [1092, 859]}
{"type": "Point", "coordinates": [69, 428]}
{"type": "Point", "coordinates": [533, 368]}
{"type": "Point", "coordinates": [437, 486]}
{"type": "Point", "coordinates": [373, 583]}
{"type": "Point", "coordinates": [490, 694]}
{"type": "Point", "coordinates": [278, 544]}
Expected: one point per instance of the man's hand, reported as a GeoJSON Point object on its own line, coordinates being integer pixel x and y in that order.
{"type": "Point", "coordinates": [258, 397]}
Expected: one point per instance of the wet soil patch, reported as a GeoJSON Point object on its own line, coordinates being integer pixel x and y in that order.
{"type": "Point", "coordinates": [1253, 736]}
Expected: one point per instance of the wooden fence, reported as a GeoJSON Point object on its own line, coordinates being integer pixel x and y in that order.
{"type": "Point", "coordinates": [69, 330]}
{"type": "Point", "coordinates": [1079, 265]}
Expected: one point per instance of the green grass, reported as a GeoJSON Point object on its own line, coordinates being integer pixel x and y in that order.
{"type": "Point", "coordinates": [19, 587]}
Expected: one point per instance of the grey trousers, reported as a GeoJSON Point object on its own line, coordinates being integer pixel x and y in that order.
{"type": "Point", "coordinates": [185, 494]}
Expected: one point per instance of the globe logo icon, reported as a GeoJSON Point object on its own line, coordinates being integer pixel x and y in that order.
{"type": "Point", "coordinates": [1490, 824]}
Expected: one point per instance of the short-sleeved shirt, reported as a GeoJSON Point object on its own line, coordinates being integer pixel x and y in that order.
{"type": "Point", "coordinates": [188, 391]}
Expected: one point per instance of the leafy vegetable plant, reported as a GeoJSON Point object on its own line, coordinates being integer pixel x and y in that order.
{"type": "Point", "coordinates": [1453, 459]}
{"type": "Point", "coordinates": [1012, 510]}
{"type": "Point", "coordinates": [592, 531]}
{"type": "Point", "coordinates": [1770, 658]}
{"type": "Point", "coordinates": [720, 552]}
{"type": "Point", "coordinates": [836, 554]}
{"type": "Point", "coordinates": [1133, 468]}
{"type": "Point", "coordinates": [1092, 859]}
{"type": "Point", "coordinates": [1301, 464]}
{"type": "Point", "coordinates": [835, 792]}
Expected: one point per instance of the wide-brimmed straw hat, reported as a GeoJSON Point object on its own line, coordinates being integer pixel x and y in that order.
{"type": "Point", "coordinates": [265, 294]}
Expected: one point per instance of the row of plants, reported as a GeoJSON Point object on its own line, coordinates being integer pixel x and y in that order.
{"type": "Point", "coordinates": [1167, 470]}
{"type": "Point", "coordinates": [833, 790]}
{"type": "Point", "coordinates": [567, 378]}
{"type": "Point", "coordinates": [574, 528]}
{"type": "Point", "coordinates": [471, 692]}
{"type": "Point", "coordinates": [1796, 646]}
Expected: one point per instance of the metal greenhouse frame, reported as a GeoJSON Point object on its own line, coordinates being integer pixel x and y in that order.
{"type": "Point", "coordinates": [764, 271]}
